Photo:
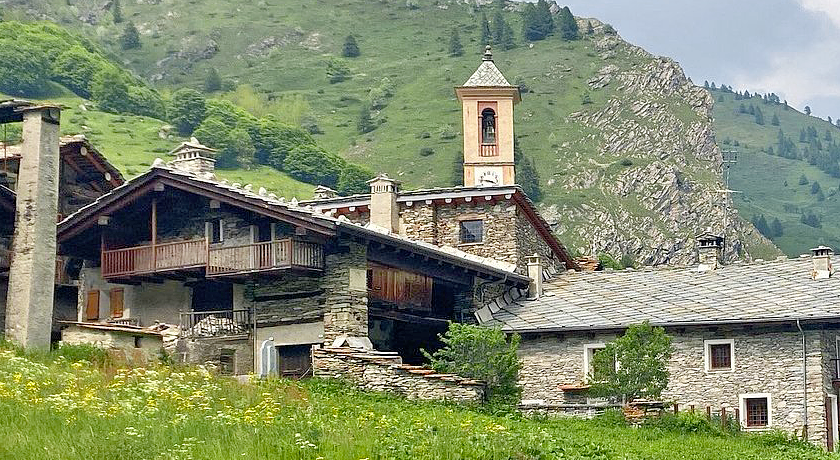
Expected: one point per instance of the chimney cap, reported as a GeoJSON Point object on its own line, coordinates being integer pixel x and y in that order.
{"type": "Point", "coordinates": [192, 145]}
{"type": "Point", "coordinates": [709, 239]}
{"type": "Point", "coordinates": [821, 251]}
{"type": "Point", "coordinates": [488, 53]}
{"type": "Point", "coordinates": [382, 177]}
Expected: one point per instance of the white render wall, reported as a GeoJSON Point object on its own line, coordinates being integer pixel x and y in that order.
{"type": "Point", "coordinates": [765, 361]}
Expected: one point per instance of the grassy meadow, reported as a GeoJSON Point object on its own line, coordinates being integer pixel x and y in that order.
{"type": "Point", "coordinates": [61, 406]}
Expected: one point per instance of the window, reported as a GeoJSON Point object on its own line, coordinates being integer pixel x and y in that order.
{"type": "Point", "coordinates": [116, 300]}
{"type": "Point", "coordinates": [472, 231]}
{"type": "Point", "coordinates": [590, 350]}
{"type": "Point", "coordinates": [214, 231]}
{"type": "Point", "coordinates": [756, 411]}
{"type": "Point", "coordinates": [227, 362]}
{"type": "Point", "coordinates": [488, 126]}
{"type": "Point", "coordinates": [719, 355]}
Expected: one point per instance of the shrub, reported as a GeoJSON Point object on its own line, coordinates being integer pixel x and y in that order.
{"type": "Point", "coordinates": [314, 165]}
{"type": "Point", "coordinates": [145, 101]}
{"type": "Point", "coordinates": [350, 49]}
{"type": "Point", "coordinates": [110, 91]}
{"type": "Point", "coordinates": [337, 70]}
{"type": "Point", "coordinates": [187, 110]}
{"type": "Point", "coordinates": [643, 353]}
{"type": "Point", "coordinates": [84, 352]}
{"type": "Point", "coordinates": [426, 151]}
{"type": "Point", "coordinates": [481, 353]}
{"type": "Point", "coordinates": [607, 261]}
{"type": "Point", "coordinates": [353, 180]}
{"type": "Point", "coordinates": [626, 162]}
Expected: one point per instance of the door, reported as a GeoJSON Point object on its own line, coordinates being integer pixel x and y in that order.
{"type": "Point", "coordinates": [263, 252]}
{"type": "Point", "coordinates": [116, 301]}
{"type": "Point", "coordinates": [92, 305]}
{"type": "Point", "coordinates": [212, 296]}
{"type": "Point", "coordinates": [295, 360]}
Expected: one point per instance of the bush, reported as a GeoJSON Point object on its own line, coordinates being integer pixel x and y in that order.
{"type": "Point", "coordinates": [643, 353]}
{"type": "Point", "coordinates": [76, 67]}
{"type": "Point", "coordinates": [145, 101]}
{"type": "Point", "coordinates": [350, 49]}
{"type": "Point", "coordinates": [314, 165]}
{"type": "Point", "coordinates": [353, 180]}
{"type": "Point", "coordinates": [337, 70]}
{"type": "Point", "coordinates": [481, 353]}
{"type": "Point", "coordinates": [275, 140]}
{"type": "Point", "coordinates": [110, 91]}
{"type": "Point", "coordinates": [626, 162]}
{"type": "Point", "coordinates": [24, 71]}
{"type": "Point", "coordinates": [607, 261]}
{"type": "Point", "coordinates": [187, 110]}
{"type": "Point", "coordinates": [426, 151]}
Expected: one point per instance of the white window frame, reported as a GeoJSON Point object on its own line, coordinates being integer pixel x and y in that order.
{"type": "Point", "coordinates": [587, 350]}
{"type": "Point", "coordinates": [707, 352]}
{"type": "Point", "coordinates": [742, 403]}
{"type": "Point", "coordinates": [208, 231]}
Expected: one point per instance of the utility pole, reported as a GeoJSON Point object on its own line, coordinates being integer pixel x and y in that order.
{"type": "Point", "coordinates": [730, 158]}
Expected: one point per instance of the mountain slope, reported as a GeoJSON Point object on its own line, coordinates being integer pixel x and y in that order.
{"type": "Point", "coordinates": [769, 184]}
{"type": "Point", "coordinates": [622, 140]}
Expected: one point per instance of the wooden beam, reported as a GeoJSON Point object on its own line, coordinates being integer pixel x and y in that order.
{"type": "Point", "coordinates": [154, 232]}
{"type": "Point", "coordinates": [407, 317]}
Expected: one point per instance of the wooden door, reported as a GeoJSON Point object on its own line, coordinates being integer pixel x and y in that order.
{"type": "Point", "coordinates": [295, 361]}
{"type": "Point", "coordinates": [116, 299]}
{"type": "Point", "coordinates": [92, 305]}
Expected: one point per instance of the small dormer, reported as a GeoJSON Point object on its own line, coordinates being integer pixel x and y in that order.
{"type": "Point", "coordinates": [194, 157]}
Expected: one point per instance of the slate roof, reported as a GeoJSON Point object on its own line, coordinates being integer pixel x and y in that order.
{"type": "Point", "coordinates": [487, 75]}
{"type": "Point", "coordinates": [270, 201]}
{"type": "Point", "coordinates": [781, 290]}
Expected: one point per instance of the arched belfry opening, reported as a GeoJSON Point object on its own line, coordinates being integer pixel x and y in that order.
{"type": "Point", "coordinates": [488, 127]}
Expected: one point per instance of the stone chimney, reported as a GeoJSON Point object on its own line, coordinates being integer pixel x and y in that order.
{"type": "Point", "coordinates": [710, 250]}
{"type": "Point", "coordinates": [195, 158]}
{"type": "Point", "coordinates": [322, 192]}
{"type": "Point", "coordinates": [384, 211]}
{"type": "Point", "coordinates": [821, 256]}
{"type": "Point", "coordinates": [535, 272]}
{"type": "Point", "coordinates": [29, 305]}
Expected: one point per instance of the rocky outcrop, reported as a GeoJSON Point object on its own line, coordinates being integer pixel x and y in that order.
{"type": "Point", "coordinates": [657, 173]}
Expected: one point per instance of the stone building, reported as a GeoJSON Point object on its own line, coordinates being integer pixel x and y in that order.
{"type": "Point", "coordinates": [224, 269]}
{"type": "Point", "coordinates": [760, 340]}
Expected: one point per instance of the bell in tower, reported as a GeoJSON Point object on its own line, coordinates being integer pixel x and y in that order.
{"type": "Point", "coordinates": [487, 101]}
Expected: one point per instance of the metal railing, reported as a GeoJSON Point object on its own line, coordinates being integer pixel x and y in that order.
{"type": "Point", "coordinates": [215, 323]}
{"type": "Point", "coordinates": [152, 258]}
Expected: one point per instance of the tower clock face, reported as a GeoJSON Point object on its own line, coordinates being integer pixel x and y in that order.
{"type": "Point", "coordinates": [488, 176]}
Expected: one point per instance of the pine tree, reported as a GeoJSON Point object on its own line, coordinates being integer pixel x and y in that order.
{"type": "Point", "coordinates": [486, 36]}
{"type": "Point", "coordinates": [455, 47]}
{"type": "Point", "coordinates": [498, 27]}
{"type": "Point", "coordinates": [213, 82]}
{"type": "Point", "coordinates": [116, 12]}
{"type": "Point", "coordinates": [568, 25]}
{"type": "Point", "coordinates": [776, 228]}
{"type": "Point", "coordinates": [526, 173]}
{"type": "Point", "coordinates": [775, 120]}
{"type": "Point", "coordinates": [130, 38]}
{"type": "Point", "coordinates": [350, 49]}
{"type": "Point", "coordinates": [365, 123]}
{"type": "Point", "coordinates": [706, 84]}
{"type": "Point", "coordinates": [507, 38]}
{"type": "Point", "coordinates": [546, 19]}
{"type": "Point", "coordinates": [808, 110]}
{"type": "Point", "coordinates": [531, 28]}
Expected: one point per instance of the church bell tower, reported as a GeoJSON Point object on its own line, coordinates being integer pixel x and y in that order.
{"type": "Point", "coordinates": [487, 101]}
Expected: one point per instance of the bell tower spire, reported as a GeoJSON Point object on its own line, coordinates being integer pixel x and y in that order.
{"type": "Point", "coordinates": [487, 101]}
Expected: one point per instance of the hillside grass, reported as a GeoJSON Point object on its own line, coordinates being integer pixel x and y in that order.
{"type": "Point", "coordinates": [58, 406]}
{"type": "Point", "coordinates": [761, 177]}
{"type": "Point", "coordinates": [131, 143]}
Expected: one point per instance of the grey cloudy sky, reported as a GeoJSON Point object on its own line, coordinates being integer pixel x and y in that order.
{"type": "Point", "coordinates": [790, 47]}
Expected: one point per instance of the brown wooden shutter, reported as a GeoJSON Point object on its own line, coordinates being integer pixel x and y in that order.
{"type": "Point", "coordinates": [92, 306]}
{"type": "Point", "coordinates": [117, 302]}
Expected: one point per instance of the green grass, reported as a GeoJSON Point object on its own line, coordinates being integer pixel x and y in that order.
{"type": "Point", "coordinates": [57, 406]}
{"type": "Point", "coordinates": [761, 177]}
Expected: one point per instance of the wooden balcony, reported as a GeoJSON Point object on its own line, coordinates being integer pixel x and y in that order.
{"type": "Point", "coordinates": [194, 324]}
{"type": "Point", "coordinates": [157, 258]}
{"type": "Point", "coordinates": [261, 257]}
{"type": "Point", "coordinates": [488, 150]}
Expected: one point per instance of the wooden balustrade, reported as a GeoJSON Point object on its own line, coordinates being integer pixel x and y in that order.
{"type": "Point", "coordinates": [488, 150]}
{"type": "Point", "coordinates": [287, 253]}
{"type": "Point", "coordinates": [214, 323]}
{"type": "Point", "coordinates": [153, 258]}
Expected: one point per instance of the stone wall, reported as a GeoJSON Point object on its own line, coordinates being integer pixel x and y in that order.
{"type": "Point", "coordinates": [530, 242]}
{"type": "Point", "coordinates": [499, 235]}
{"type": "Point", "coordinates": [418, 222]}
{"type": "Point", "coordinates": [345, 287]}
{"type": "Point", "coordinates": [123, 344]}
{"type": "Point", "coordinates": [380, 371]}
{"type": "Point", "coordinates": [208, 350]}
{"type": "Point", "coordinates": [766, 360]}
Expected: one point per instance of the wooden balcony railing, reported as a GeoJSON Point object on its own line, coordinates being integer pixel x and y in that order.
{"type": "Point", "coordinates": [287, 253]}
{"type": "Point", "coordinates": [215, 323]}
{"type": "Point", "coordinates": [154, 258]}
{"type": "Point", "coordinates": [488, 150]}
